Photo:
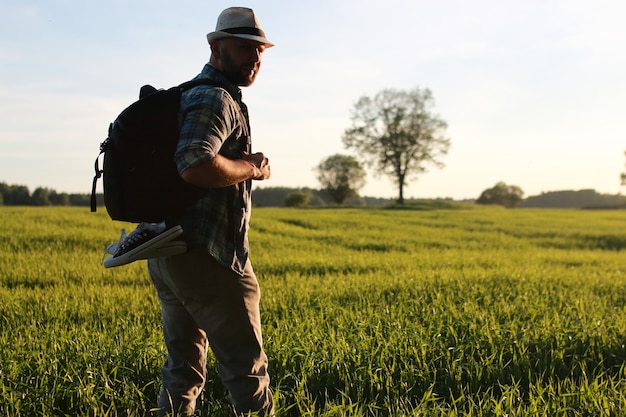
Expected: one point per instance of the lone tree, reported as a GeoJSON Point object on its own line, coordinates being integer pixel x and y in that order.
{"type": "Point", "coordinates": [503, 195]}
{"type": "Point", "coordinates": [341, 176]}
{"type": "Point", "coordinates": [396, 133]}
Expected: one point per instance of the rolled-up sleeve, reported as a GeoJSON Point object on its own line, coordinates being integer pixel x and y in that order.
{"type": "Point", "coordinates": [205, 124]}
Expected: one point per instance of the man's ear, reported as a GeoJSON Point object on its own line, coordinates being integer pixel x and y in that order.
{"type": "Point", "coordinates": [215, 48]}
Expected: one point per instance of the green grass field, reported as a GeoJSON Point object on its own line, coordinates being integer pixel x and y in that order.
{"type": "Point", "coordinates": [367, 312]}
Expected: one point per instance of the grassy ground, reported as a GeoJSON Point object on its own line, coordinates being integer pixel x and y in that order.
{"type": "Point", "coordinates": [367, 312]}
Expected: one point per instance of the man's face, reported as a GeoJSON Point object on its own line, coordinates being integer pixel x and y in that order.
{"type": "Point", "coordinates": [240, 60]}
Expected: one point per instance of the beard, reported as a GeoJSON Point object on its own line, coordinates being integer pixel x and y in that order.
{"type": "Point", "coordinates": [242, 75]}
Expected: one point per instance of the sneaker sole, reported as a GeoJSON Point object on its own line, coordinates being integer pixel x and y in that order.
{"type": "Point", "coordinates": [168, 249]}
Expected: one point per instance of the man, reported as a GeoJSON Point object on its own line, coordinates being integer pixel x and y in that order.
{"type": "Point", "coordinates": [210, 295]}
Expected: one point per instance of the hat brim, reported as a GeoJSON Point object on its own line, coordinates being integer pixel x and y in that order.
{"type": "Point", "coordinates": [219, 35]}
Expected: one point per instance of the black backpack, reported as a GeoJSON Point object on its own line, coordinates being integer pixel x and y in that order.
{"type": "Point", "coordinates": [141, 182]}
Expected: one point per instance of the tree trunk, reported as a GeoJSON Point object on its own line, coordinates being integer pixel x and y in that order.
{"type": "Point", "coordinates": [401, 193]}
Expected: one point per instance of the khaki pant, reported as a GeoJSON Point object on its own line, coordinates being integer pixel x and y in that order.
{"type": "Point", "coordinates": [205, 304]}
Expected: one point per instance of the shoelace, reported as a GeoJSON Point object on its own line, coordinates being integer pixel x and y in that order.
{"type": "Point", "coordinates": [132, 241]}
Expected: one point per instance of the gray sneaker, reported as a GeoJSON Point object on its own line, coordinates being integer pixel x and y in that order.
{"type": "Point", "coordinates": [147, 241]}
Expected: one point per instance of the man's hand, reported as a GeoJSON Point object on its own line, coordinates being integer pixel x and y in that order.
{"type": "Point", "coordinates": [260, 162]}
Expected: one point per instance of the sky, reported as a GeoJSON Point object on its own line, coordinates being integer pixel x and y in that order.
{"type": "Point", "coordinates": [533, 91]}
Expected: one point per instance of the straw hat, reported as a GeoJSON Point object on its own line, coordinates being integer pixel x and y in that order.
{"type": "Point", "coordinates": [239, 22]}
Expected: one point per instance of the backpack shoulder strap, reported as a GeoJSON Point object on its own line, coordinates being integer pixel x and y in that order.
{"type": "Point", "coordinates": [200, 81]}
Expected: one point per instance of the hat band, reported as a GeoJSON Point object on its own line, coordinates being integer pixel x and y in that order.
{"type": "Point", "coordinates": [245, 30]}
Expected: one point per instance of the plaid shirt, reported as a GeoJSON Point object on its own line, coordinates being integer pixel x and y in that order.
{"type": "Point", "coordinates": [214, 120]}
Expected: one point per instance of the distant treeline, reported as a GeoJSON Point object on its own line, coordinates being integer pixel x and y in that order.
{"type": "Point", "coordinates": [20, 195]}
{"type": "Point", "coordinates": [277, 197]}
{"type": "Point", "coordinates": [581, 199]}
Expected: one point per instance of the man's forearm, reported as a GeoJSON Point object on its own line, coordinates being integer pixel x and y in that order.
{"type": "Point", "coordinates": [220, 172]}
